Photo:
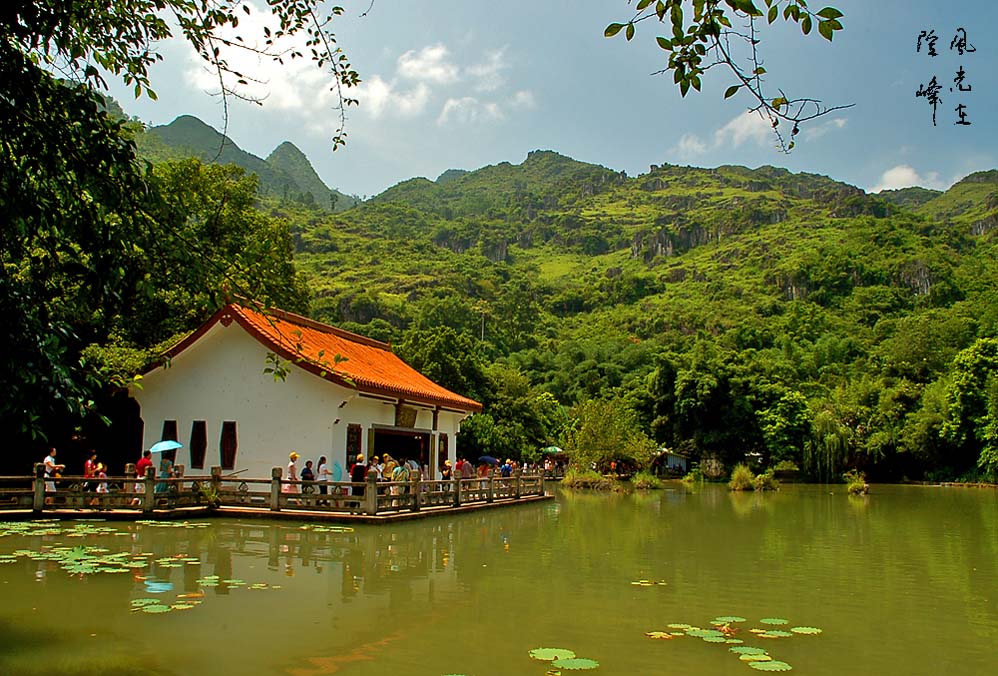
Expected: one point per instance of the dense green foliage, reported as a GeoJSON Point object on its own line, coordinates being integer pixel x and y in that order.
{"type": "Point", "coordinates": [735, 311]}
{"type": "Point", "coordinates": [101, 258]}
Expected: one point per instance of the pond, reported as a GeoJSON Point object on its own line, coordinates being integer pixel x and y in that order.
{"type": "Point", "coordinates": [903, 581]}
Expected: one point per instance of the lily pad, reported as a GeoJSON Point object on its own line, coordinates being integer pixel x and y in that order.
{"type": "Point", "coordinates": [181, 606]}
{"type": "Point", "coordinates": [144, 602]}
{"type": "Point", "coordinates": [761, 657]}
{"type": "Point", "coordinates": [776, 633]}
{"type": "Point", "coordinates": [805, 630]}
{"type": "Point", "coordinates": [747, 650]}
{"type": "Point", "coordinates": [575, 663]}
{"type": "Point", "coordinates": [158, 608]}
{"type": "Point", "coordinates": [727, 619]}
{"type": "Point", "coordinates": [658, 634]}
{"type": "Point", "coordinates": [774, 620]}
{"type": "Point", "coordinates": [714, 639]}
{"type": "Point", "coordinates": [679, 625]}
{"type": "Point", "coordinates": [775, 665]}
{"type": "Point", "coordinates": [550, 654]}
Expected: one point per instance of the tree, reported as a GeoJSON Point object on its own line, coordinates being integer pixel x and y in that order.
{"type": "Point", "coordinates": [605, 430]}
{"type": "Point", "coordinates": [972, 416]}
{"type": "Point", "coordinates": [703, 36]}
{"type": "Point", "coordinates": [77, 204]}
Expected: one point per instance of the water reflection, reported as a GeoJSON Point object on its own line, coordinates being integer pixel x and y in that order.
{"type": "Point", "coordinates": [304, 599]}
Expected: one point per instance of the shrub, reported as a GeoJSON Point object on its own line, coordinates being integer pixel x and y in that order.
{"type": "Point", "coordinates": [786, 466]}
{"type": "Point", "coordinates": [694, 476]}
{"type": "Point", "coordinates": [766, 481]}
{"type": "Point", "coordinates": [742, 478]}
{"type": "Point", "coordinates": [856, 482]}
{"type": "Point", "coordinates": [586, 478]}
{"type": "Point", "coordinates": [645, 479]}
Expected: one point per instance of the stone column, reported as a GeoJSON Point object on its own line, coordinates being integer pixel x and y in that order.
{"type": "Point", "coordinates": [275, 488]}
{"type": "Point", "coordinates": [149, 484]}
{"type": "Point", "coordinates": [38, 499]}
{"type": "Point", "coordinates": [371, 494]}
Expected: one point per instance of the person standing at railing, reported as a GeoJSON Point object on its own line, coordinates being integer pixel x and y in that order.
{"type": "Point", "coordinates": [292, 474]}
{"type": "Point", "coordinates": [358, 473]}
{"type": "Point", "coordinates": [324, 475]}
{"type": "Point", "coordinates": [308, 478]}
{"type": "Point", "coordinates": [90, 470]}
{"type": "Point", "coordinates": [52, 469]}
{"type": "Point", "coordinates": [165, 473]}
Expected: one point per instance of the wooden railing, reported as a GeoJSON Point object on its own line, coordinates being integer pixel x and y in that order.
{"type": "Point", "coordinates": [150, 494]}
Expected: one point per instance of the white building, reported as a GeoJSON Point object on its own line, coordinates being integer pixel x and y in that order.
{"type": "Point", "coordinates": [341, 395]}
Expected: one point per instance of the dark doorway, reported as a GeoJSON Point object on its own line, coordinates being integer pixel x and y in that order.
{"type": "Point", "coordinates": [403, 444]}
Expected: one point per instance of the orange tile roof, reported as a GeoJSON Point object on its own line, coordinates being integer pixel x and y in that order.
{"type": "Point", "coordinates": [369, 365]}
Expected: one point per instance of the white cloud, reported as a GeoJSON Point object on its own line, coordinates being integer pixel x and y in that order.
{"type": "Point", "coordinates": [430, 64]}
{"type": "Point", "coordinates": [816, 131]}
{"type": "Point", "coordinates": [488, 75]}
{"type": "Point", "coordinates": [905, 176]}
{"type": "Point", "coordinates": [743, 128]}
{"type": "Point", "coordinates": [523, 99]}
{"type": "Point", "coordinates": [468, 110]}
{"type": "Point", "coordinates": [690, 145]}
{"type": "Point", "coordinates": [379, 98]}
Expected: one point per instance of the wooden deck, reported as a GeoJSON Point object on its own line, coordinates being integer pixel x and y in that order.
{"type": "Point", "coordinates": [199, 496]}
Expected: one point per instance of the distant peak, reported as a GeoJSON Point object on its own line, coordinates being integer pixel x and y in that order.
{"type": "Point", "coordinates": [287, 149]}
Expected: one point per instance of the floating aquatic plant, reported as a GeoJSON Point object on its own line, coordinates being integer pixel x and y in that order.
{"type": "Point", "coordinates": [755, 657]}
{"type": "Point", "coordinates": [747, 650]}
{"type": "Point", "coordinates": [774, 620]}
{"type": "Point", "coordinates": [575, 663]}
{"type": "Point", "coordinates": [659, 634]}
{"type": "Point", "coordinates": [775, 665]}
{"type": "Point", "coordinates": [551, 654]}
{"type": "Point", "coordinates": [727, 619]}
{"type": "Point", "coordinates": [805, 630]}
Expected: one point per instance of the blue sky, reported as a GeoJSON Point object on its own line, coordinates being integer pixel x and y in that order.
{"type": "Point", "coordinates": [461, 84]}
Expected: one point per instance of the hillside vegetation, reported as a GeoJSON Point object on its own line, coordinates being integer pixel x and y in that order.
{"type": "Point", "coordinates": [737, 311]}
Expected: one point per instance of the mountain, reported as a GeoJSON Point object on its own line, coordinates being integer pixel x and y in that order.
{"type": "Point", "coordinates": [285, 174]}
{"type": "Point", "coordinates": [911, 198]}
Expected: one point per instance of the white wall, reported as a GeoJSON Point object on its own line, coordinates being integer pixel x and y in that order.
{"type": "Point", "coordinates": [221, 378]}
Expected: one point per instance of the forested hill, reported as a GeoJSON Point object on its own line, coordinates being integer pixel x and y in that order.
{"type": "Point", "coordinates": [735, 310]}
{"type": "Point", "coordinates": [285, 174]}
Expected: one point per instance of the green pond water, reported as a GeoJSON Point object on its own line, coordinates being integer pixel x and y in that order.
{"type": "Point", "coordinates": [903, 581]}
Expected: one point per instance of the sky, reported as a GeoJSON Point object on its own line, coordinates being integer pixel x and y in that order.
{"type": "Point", "coordinates": [456, 84]}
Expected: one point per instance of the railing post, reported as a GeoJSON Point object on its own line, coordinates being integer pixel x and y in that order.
{"type": "Point", "coordinates": [371, 494]}
{"type": "Point", "coordinates": [542, 484]}
{"type": "Point", "coordinates": [414, 489]}
{"type": "Point", "coordinates": [216, 481]}
{"type": "Point", "coordinates": [490, 496]}
{"type": "Point", "coordinates": [149, 485]}
{"type": "Point", "coordinates": [275, 488]}
{"type": "Point", "coordinates": [516, 484]}
{"type": "Point", "coordinates": [38, 500]}
{"type": "Point", "coordinates": [457, 490]}
{"type": "Point", "coordinates": [178, 472]}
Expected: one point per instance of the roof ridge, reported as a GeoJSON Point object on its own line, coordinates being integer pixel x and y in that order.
{"type": "Point", "coordinates": [301, 320]}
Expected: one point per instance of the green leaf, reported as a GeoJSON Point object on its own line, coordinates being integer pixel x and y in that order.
{"type": "Point", "coordinates": [805, 25]}
{"type": "Point", "coordinates": [731, 91]}
{"type": "Point", "coordinates": [630, 31]}
{"type": "Point", "coordinates": [664, 43]}
{"type": "Point", "coordinates": [774, 12]}
{"type": "Point", "coordinates": [643, 3]}
{"type": "Point", "coordinates": [829, 13]}
{"type": "Point", "coordinates": [612, 30]}
{"type": "Point", "coordinates": [825, 29]}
